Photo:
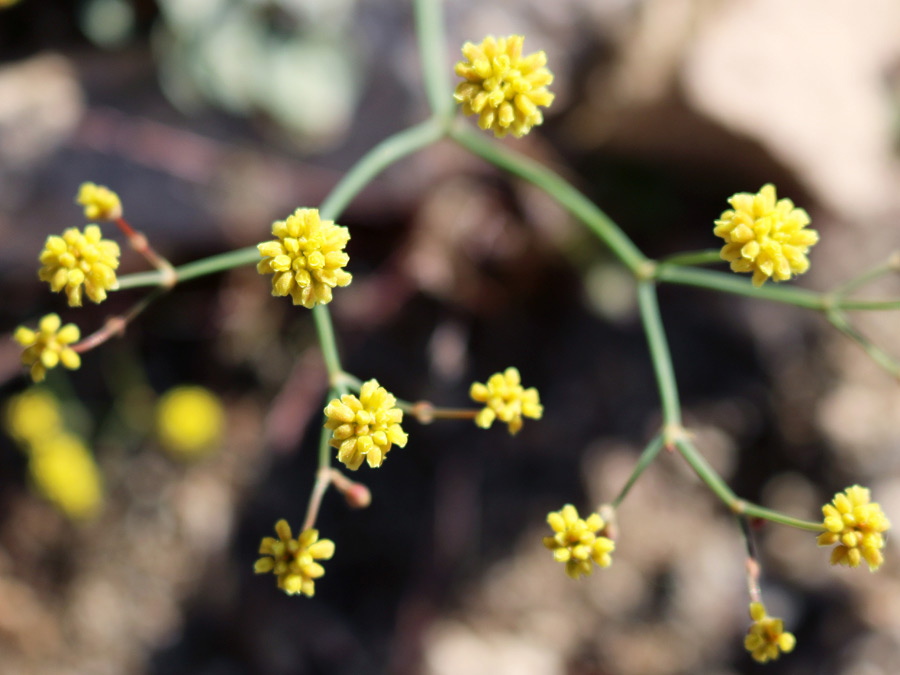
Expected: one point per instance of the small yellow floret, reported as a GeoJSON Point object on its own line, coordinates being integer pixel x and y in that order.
{"type": "Point", "coordinates": [33, 416]}
{"type": "Point", "coordinates": [576, 543]}
{"type": "Point", "coordinates": [502, 87]}
{"type": "Point", "coordinates": [765, 236]}
{"type": "Point", "coordinates": [506, 400]}
{"type": "Point", "coordinates": [856, 525]}
{"type": "Point", "coordinates": [365, 427]}
{"type": "Point", "coordinates": [49, 346]}
{"type": "Point", "coordinates": [99, 202]}
{"type": "Point", "coordinates": [293, 561]}
{"type": "Point", "coordinates": [189, 421]}
{"type": "Point", "coordinates": [64, 471]}
{"type": "Point", "coordinates": [307, 258]}
{"type": "Point", "coordinates": [77, 259]}
{"type": "Point", "coordinates": [766, 638]}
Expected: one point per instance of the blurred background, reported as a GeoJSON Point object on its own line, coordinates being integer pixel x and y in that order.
{"type": "Point", "coordinates": [131, 552]}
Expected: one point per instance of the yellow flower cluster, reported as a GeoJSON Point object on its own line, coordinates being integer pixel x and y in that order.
{"type": "Point", "coordinates": [75, 260]}
{"type": "Point", "coordinates": [48, 346]}
{"type": "Point", "coordinates": [293, 561]}
{"type": "Point", "coordinates": [502, 87]}
{"type": "Point", "coordinates": [60, 464]}
{"type": "Point", "coordinates": [766, 638]}
{"type": "Point", "coordinates": [765, 236]}
{"type": "Point", "coordinates": [576, 543]}
{"type": "Point", "coordinates": [99, 202]}
{"type": "Point", "coordinates": [856, 525]}
{"type": "Point", "coordinates": [306, 259]}
{"type": "Point", "coordinates": [365, 427]}
{"type": "Point", "coordinates": [506, 400]}
{"type": "Point", "coordinates": [189, 421]}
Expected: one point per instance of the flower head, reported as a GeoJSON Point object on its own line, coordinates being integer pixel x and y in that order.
{"type": "Point", "coordinates": [576, 543]}
{"type": "Point", "coordinates": [766, 638]}
{"type": "Point", "coordinates": [293, 561]}
{"type": "Point", "coordinates": [64, 471]}
{"type": "Point", "coordinates": [48, 346]}
{"type": "Point", "coordinates": [189, 421]}
{"type": "Point", "coordinates": [99, 202]}
{"type": "Point", "coordinates": [502, 87]}
{"type": "Point", "coordinates": [765, 236]}
{"type": "Point", "coordinates": [856, 525]}
{"type": "Point", "coordinates": [506, 400]}
{"type": "Point", "coordinates": [307, 258]}
{"type": "Point", "coordinates": [77, 259]}
{"type": "Point", "coordinates": [33, 416]}
{"type": "Point", "coordinates": [365, 427]}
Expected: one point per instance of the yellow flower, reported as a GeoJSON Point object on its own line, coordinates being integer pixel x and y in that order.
{"type": "Point", "coordinates": [365, 427]}
{"type": "Point", "coordinates": [77, 259]}
{"type": "Point", "coordinates": [576, 542]}
{"type": "Point", "coordinates": [856, 525]}
{"type": "Point", "coordinates": [64, 471]}
{"type": "Point", "coordinates": [307, 258]}
{"type": "Point", "coordinates": [502, 87]}
{"type": "Point", "coordinates": [48, 346]}
{"type": "Point", "coordinates": [189, 421]}
{"type": "Point", "coordinates": [33, 416]}
{"type": "Point", "coordinates": [765, 236]}
{"type": "Point", "coordinates": [505, 400]}
{"type": "Point", "coordinates": [294, 560]}
{"type": "Point", "coordinates": [766, 637]}
{"type": "Point", "coordinates": [99, 202]}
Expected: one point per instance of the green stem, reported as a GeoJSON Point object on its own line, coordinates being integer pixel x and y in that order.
{"type": "Point", "coordinates": [688, 258]}
{"type": "Point", "coordinates": [192, 270]}
{"type": "Point", "coordinates": [432, 44]}
{"type": "Point", "coordinates": [871, 275]}
{"type": "Point", "coordinates": [715, 483]}
{"type": "Point", "coordinates": [871, 305]}
{"type": "Point", "coordinates": [728, 283]}
{"type": "Point", "coordinates": [646, 458]}
{"type": "Point", "coordinates": [325, 331]}
{"type": "Point", "coordinates": [840, 321]}
{"type": "Point", "coordinates": [659, 352]}
{"type": "Point", "coordinates": [558, 188]}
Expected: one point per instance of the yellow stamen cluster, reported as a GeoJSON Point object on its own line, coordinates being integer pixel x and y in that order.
{"type": "Point", "coordinates": [506, 400]}
{"type": "Point", "coordinates": [293, 561]}
{"type": "Point", "coordinates": [576, 543]}
{"type": "Point", "coordinates": [766, 638]}
{"type": "Point", "coordinates": [48, 346]}
{"type": "Point", "coordinates": [307, 258]}
{"type": "Point", "coordinates": [77, 259]}
{"type": "Point", "coordinates": [502, 87]}
{"type": "Point", "coordinates": [189, 421]}
{"type": "Point", "coordinates": [365, 427]}
{"type": "Point", "coordinates": [99, 202]}
{"type": "Point", "coordinates": [765, 236]}
{"type": "Point", "coordinates": [856, 525]}
{"type": "Point", "coordinates": [61, 466]}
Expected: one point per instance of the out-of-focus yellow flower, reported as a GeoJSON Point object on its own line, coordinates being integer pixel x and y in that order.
{"type": "Point", "coordinates": [766, 638]}
{"type": "Point", "coordinates": [99, 202]}
{"type": "Point", "coordinates": [75, 260]}
{"type": "Point", "coordinates": [856, 525]}
{"type": "Point", "coordinates": [189, 421]}
{"type": "Point", "coordinates": [64, 471]}
{"type": "Point", "coordinates": [506, 400]}
{"type": "Point", "coordinates": [765, 236]}
{"type": "Point", "coordinates": [33, 416]}
{"type": "Point", "coordinates": [576, 543]}
{"type": "Point", "coordinates": [49, 346]}
{"type": "Point", "coordinates": [307, 258]}
{"type": "Point", "coordinates": [502, 87]}
{"type": "Point", "coordinates": [293, 561]}
{"type": "Point", "coordinates": [365, 427]}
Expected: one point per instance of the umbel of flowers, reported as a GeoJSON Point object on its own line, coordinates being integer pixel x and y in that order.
{"type": "Point", "coordinates": [293, 561]}
{"type": "Point", "coordinates": [77, 260]}
{"type": "Point", "coordinates": [576, 543]}
{"type": "Point", "coordinates": [856, 525]}
{"type": "Point", "coordinates": [365, 428]}
{"type": "Point", "coordinates": [766, 638]}
{"type": "Point", "coordinates": [306, 259]}
{"type": "Point", "coordinates": [505, 89]}
{"type": "Point", "coordinates": [48, 346]}
{"type": "Point", "coordinates": [505, 399]}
